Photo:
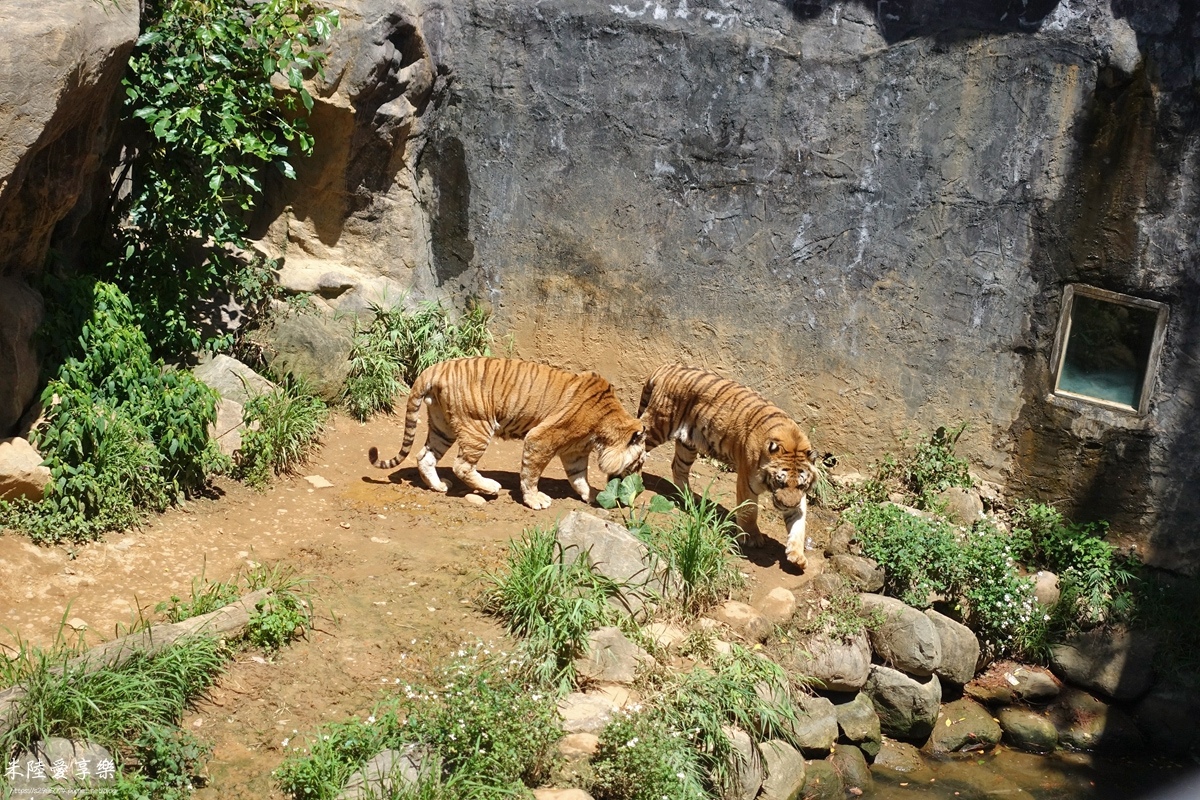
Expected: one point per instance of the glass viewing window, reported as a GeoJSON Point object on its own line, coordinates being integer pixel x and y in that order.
{"type": "Point", "coordinates": [1107, 347]}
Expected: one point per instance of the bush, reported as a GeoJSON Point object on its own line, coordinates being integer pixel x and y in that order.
{"type": "Point", "coordinates": [398, 345]}
{"type": "Point", "coordinates": [204, 121]}
{"type": "Point", "coordinates": [123, 433]}
{"type": "Point", "coordinates": [641, 758]}
{"type": "Point", "coordinates": [282, 429]}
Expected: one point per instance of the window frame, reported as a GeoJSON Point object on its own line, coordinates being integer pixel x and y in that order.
{"type": "Point", "coordinates": [1063, 334]}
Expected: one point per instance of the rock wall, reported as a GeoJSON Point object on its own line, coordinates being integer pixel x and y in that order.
{"type": "Point", "coordinates": [866, 211]}
{"type": "Point", "coordinates": [61, 63]}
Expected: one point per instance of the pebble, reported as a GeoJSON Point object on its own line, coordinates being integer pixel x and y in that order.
{"type": "Point", "coordinates": [476, 500]}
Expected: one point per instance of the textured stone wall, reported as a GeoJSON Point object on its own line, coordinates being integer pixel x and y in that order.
{"type": "Point", "coordinates": [866, 211]}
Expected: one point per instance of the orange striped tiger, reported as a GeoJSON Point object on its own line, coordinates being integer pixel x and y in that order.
{"type": "Point", "coordinates": [557, 413]}
{"type": "Point", "coordinates": [705, 413]}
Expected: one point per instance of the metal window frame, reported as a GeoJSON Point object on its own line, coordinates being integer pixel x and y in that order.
{"type": "Point", "coordinates": [1063, 334]}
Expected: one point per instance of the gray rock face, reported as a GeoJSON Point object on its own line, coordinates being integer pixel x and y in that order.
{"type": "Point", "coordinates": [1119, 665]}
{"type": "Point", "coordinates": [963, 725]}
{"type": "Point", "coordinates": [859, 724]}
{"type": "Point", "coordinates": [833, 664]}
{"type": "Point", "coordinates": [907, 707]}
{"type": "Point", "coordinates": [1028, 730]}
{"type": "Point", "coordinates": [785, 771]}
{"type": "Point", "coordinates": [907, 639]}
{"type": "Point", "coordinates": [61, 63]}
{"type": "Point", "coordinates": [21, 470]}
{"type": "Point", "coordinates": [959, 646]}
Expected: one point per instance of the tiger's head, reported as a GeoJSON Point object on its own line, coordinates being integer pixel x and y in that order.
{"type": "Point", "coordinates": [787, 467]}
{"type": "Point", "coordinates": [621, 448]}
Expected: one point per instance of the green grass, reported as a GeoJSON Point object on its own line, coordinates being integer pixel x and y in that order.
{"type": "Point", "coordinates": [283, 427]}
{"type": "Point", "coordinates": [397, 345]}
{"type": "Point", "coordinates": [551, 603]}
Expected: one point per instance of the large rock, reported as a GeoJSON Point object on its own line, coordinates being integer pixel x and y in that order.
{"type": "Point", "coordinates": [61, 63]}
{"type": "Point", "coordinates": [743, 619]}
{"type": "Point", "coordinates": [309, 345]}
{"type": "Point", "coordinates": [1029, 730]}
{"type": "Point", "coordinates": [749, 770]}
{"type": "Point", "coordinates": [833, 664]}
{"type": "Point", "coordinates": [822, 781]}
{"type": "Point", "coordinates": [859, 724]}
{"type": "Point", "coordinates": [816, 728]}
{"type": "Point", "coordinates": [613, 552]}
{"type": "Point", "coordinates": [785, 771]}
{"type": "Point", "coordinates": [863, 574]}
{"type": "Point", "coordinates": [959, 648]}
{"type": "Point", "coordinates": [1168, 718]}
{"type": "Point", "coordinates": [851, 766]}
{"type": "Point", "coordinates": [231, 379]}
{"type": "Point", "coordinates": [611, 657]}
{"type": "Point", "coordinates": [907, 706]}
{"type": "Point", "coordinates": [1085, 722]}
{"type": "Point", "coordinates": [906, 639]}
{"type": "Point", "coordinates": [1115, 663]}
{"type": "Point", "coordinates": [1006, 682]}
{"type": "Point", "coordinates": [963, 725]}
{"type": "Point", "coordinates": [21, 470]}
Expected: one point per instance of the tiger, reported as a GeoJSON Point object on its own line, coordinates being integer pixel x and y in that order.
{"type": "Point", "coordinates": [707, 414]}
{"type": "Point", "coordinates": [557, 413]}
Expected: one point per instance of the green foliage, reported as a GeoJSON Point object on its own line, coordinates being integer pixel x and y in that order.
{"type": "Point", "coordinates": [1093, 577]}
{"type": "Point", "coordinates": [166, 759]}
{"type": "Point", "coordinates": [123, 433]}
{"type": "Point", "coordinates": [493, 733]}
{"type": "Point", "coordinates": [398, 345]}
{"type": "Point", "coordinates": [552, 603]}
{"type": "Point", "coordinates": [698, 545]}
{"type": "Point", "coordinates": [932, 467]}
{"type": "Point", "coordinates": [843, 618]}
{"type": "Point", "coordinates": [926, 558]}
{"type": "Point", "coordinates": [691, 710]}
{"type": "Point", "coordinates": [205, 122]}
{"type": "Point", "coordinates": [283, 427]}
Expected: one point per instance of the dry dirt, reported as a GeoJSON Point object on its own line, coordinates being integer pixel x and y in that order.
{"type": "Point", "coordinates": [393, 568]}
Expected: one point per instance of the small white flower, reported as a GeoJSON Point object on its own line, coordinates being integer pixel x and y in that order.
{"type": "Point", "coordinates": [285, 741]}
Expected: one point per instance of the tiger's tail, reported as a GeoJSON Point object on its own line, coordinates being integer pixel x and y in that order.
{"type": "Point", "coordinates": [420, 390]}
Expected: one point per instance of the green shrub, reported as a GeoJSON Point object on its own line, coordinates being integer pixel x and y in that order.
{"type": "Point", "coordinates": [123, 433]}
{"type": "Point", "coordinates": [204, 123]}
{"type": "Point", "coordinates": [551, 603]}
{"type": "Point", "coordinates": [641, 758]}
{"type": "Point", "coordinates": [843, 618]}
{"type": "Point", "coordinates": [336, 751]}
{"type": "Point", "coordinates": [920, 556]}
{"type": "Point", "coordinates": [283, 427]}
{"type": "Point", "coordinates": [398, 345]}
{"type": "Point", "coordinates": [933, 467]}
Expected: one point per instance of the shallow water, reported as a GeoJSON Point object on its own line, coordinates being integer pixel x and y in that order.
{"type": "Point", "coordinates": [1013, 775]}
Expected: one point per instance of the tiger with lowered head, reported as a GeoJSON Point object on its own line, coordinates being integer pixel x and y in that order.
{"type": "Point", "coordinates": [557, 413]}
{"type": "Point", "coordinates": [707, 414]}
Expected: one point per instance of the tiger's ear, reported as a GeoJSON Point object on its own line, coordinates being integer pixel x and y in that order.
{"type": "Point", "coordinates": [772, 447]}
{"type": "Point", "coordinates": [637, 437]}
{"type": "Point", "coordinates": [812, 456]}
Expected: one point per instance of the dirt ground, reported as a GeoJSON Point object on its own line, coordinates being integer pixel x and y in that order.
{"type": "Point", "coordinates": [394, 569]}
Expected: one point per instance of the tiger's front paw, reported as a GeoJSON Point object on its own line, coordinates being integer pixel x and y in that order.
{"type": "Point", "coordinates": [440, 486]}
{"type": "Point", "coordinates": [753, 539]}
{"type": "Point", "coordinates": [536, 500]}
{"type": "Point", "coordinates": [487, 486]}
{"type": "Point", "coordinates": [795, 554]}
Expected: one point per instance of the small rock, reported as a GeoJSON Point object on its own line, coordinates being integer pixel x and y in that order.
{"type": "Point", "coordinates": [1028, 730]}
{"type": "Point", "coordinates": [963, 506]}
{"type": "Point", "coordinates": [21, 470]}
{"type": "Point", "coordinates": [579, 746]}
{"type": "Point", "coordinates": [778, 606]}
{"type": "Point", "coordinates": [898, 756]}
{"type": "Point", "coordinates": [859, 724]}
{"type": "Point", "coordinates": [476, 500]}
{"type": "Point", "coordinates": [665, 635]}
{"type": "Point", "coordinates": [77, 624]}
{"type": "Point", "coordinates": [743, 619]}
{"type": "Point", "coordinates": [611, 657]}
{"type": "Point", "coordinates": [1045, 588]}
{"type": "Point", "coordinates": [560, 794]}
{"type": "Point", "coordinates": [822, 782]}
{"type": "Point", "coordinates": [317, 482]}
{"type": "Point", "coordinates": [963, 724]}
{"type": "Point", "coordinates": [863, 574]}
{"type": "Point", "coordinates": [851, 765]}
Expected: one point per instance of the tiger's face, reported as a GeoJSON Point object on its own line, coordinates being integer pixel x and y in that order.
{"type": "Point", "coordinates": [622, 451]}
{"type": "Point", "coordinates": [788, 470]}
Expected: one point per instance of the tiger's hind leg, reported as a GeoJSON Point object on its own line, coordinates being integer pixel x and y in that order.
{"type": "Point", "coordinates": [436, 444]}
{"type": "Point", "coordinates": [540, 447]}
{"type": "Point", "coordinates": [576, 465]}
{"type": "Point", "coordinates": [747, 514]}
{"type": "Point", "coordinates": [473, 440]}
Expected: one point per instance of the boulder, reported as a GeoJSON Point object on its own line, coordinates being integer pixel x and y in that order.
{"type": "Point", "coordinates": [312, 346]}
{"type": "Point", "coordinates": [613, 552]}
{"type": "Point", "coordinates": [858, 724]}
{"type": "Point", "coordinates": [784, 768]}
{"type": "Point", "coordinates": [231, 379]}
{"type": "Point", "coordinates": [611, 657]}
{"type": "Point", "coordinates": [833, 664]}
{"type": "Point", "coordinates": [863, 574]}
{"type": "Point", "coordinates": [959, 647]}
{"type": "Point", "coordinates": [851, 765]}
{"type": "Point", "coordinates": [1085, 722]}
{"type": "Point", "coordinates": [744, 620]}
{"type": "Point", "coordinates": [749, 772]}
{"type": "Point", "coordinates": [21, 470]}
{"type": "Point", "coordinates": [21, 310]}
{"type": "Point", "coordinates": [778, 606]}
{"type": "Point", "coordinates": [1045, 588]}
{"type": "Point", "coordinates": [963, 725]}
{"type": "Point", "coordinates": [898, 757]}
{"type": "Point", "coordinates": [578, 746]}
{"type": "Point", "coordinates": [963, 506]}
{"type": "Point", "coordinates": [226, 429]}
{"type": "Point", "coordinates": [1026, 729]}
{"type": "Point", "coordinates": [843, 540]}
{"type": "Point", "coordinates": [907, 706]}
{"type": "Point", "coordinates": [1118, 664]}
{"type": "Point", "coordinates": [586, 712]}
{"type": "Point", "coordinates": [816, 728]}
{"type": "Point", "coordinates": [390, 772]}
{"type": "Point", "coordinates": [822, 782]}
{"type": "Point", "coordinates": [907, 639]}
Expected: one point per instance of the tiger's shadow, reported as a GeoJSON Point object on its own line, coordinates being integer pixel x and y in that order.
{"type": "Point", "coordinates": [771, 553]}
{"type": "Point", "coordinates": [510, 484]}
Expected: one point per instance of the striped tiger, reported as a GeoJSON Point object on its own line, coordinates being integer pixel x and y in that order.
{"type": "Point", "coordinates": [557, 413]}
{"type": "Point", "coordinates": [705, 413]}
